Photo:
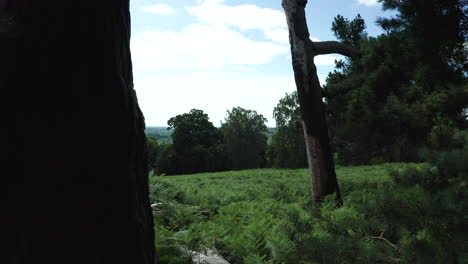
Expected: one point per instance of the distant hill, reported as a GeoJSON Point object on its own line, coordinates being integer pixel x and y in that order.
{"type": "Point", "coordinates": [161, 134]}
{"type": "Point", "coordinates": [270, 132]}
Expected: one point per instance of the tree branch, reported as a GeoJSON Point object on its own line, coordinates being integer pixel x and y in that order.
{"type": "Point", "coordinates": [327, 47]}
{"type": "Point", "coordinates": [381, 237]}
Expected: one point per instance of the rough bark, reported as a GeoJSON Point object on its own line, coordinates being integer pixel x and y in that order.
{"type": "Point", "coordinates": [73, 137]}
{"type": "Point", "coordinates": [327, 47]}
{"type": "Point", "coordinates": [319, 154]}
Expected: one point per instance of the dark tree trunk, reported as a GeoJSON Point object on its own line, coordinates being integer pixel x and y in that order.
{"type": "Point", "coordinates": [75, 186]}
{"type": "Point", "coordinates": [319, 154]}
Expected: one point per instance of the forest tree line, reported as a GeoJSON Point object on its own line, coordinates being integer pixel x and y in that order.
{"type": "Point", "coordinates": [242, 142]}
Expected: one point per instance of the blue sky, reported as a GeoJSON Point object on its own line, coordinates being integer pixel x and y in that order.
{"type": "Point", "coordinates": [214, 55]}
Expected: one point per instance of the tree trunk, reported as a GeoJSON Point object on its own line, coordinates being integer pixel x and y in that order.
{"type": "Point", "coordinates": [319, 154]}
{"type": "Point", "coordinates": [75, 187]}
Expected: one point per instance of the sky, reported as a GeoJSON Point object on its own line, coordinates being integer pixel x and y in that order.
{"type": "Point", "coordinates": [214, 55]}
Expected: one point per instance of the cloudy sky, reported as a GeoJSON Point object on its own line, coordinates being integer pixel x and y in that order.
{"type": "Point", "coordinates": [217, 54]}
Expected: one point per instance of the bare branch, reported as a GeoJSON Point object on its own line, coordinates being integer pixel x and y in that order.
{"type": "Point", "coordinates": [381, 237]}
{"type": "Point", "coordinates": [328, 47]}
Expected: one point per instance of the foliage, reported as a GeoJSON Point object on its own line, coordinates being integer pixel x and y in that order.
{"type": "Point", "coordinates": [384, 105]}
{"type": "Point", "coordinates": [287, 148]}
{"type": "Point", "coordinates": [265, 215]}
{"type": "Point", "coordinates": [201, 147]}
{"type": "Point", "coordinates": [245, 134]}
{"type": "Point", "coordinates": [349, 32]}
{"type": "Point", "coordinates": [153, 152]}
{"type": "Point", "coordinates": [197, 144]}
{"type": "Point", "coordinates": [438, 31]}
{"type": "Point", "coordinates": [167, 162]}
{"type": "Point", "coordinates": [190, 129]}
{"type": "Point", "coordinates": [445, 135]}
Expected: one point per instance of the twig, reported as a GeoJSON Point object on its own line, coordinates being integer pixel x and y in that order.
{"type": "Point", "coordinates": [381, 237]}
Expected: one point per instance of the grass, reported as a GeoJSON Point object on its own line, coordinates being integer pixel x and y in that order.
{"type": "Point", "coordinates": [252, 216]}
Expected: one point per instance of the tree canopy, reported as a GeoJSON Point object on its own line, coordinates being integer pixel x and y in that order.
{"type": "Point", "coordinates": [197, 144]}
{"type": "Point", "coordinates": [287, 144]}
{"type": "Point", "coordinates": [383, 105]}
{"type": "Point", "coordinates": [245, 136]}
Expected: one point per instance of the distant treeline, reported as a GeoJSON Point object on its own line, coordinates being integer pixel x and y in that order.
{"type": "Point", "coordinates": [163, 134]}
{"type": "Point", "coordinates": [191, 144]}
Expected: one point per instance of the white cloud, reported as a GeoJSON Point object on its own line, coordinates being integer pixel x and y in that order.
{"type": "Point", "coordinates": [158, 9]}
{"type": "Point", "coordinates": [244, 17]}
{"type": "Point", "coordinates": [215, 40]}
{"type": "Point", "coordinates": [200, 47]}
{"type": "Point", "coordinates": [279, 35]}
{"type": "Point", "coordinates": [368, 2]}
{"type": "Point", "coordinates": [243, 69]}
{"type": "Point", "coordinates": [212, 91]}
